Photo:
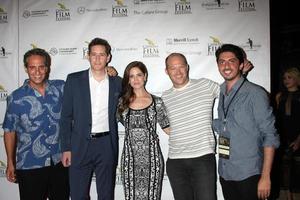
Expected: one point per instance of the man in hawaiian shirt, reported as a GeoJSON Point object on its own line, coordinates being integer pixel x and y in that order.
{"type": "Point", "coordinates": [31, 128]}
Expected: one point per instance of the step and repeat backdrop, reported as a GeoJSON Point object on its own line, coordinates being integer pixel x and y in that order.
{"type": "Point", "coordinates": [144, 30]}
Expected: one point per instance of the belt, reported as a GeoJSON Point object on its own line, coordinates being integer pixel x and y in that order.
{"type": "Point", "coordinates": [100, 134]}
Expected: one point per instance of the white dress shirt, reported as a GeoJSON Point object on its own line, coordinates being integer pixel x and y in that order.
{"type": "Point", "coordinates": [99, 103]}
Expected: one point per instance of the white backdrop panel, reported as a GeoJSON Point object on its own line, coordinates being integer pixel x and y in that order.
{"type": "Point", "coordinates": [145, 30]}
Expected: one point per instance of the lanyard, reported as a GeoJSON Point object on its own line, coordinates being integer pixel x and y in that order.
{"type": "Point", "coordinates": [225, 111]}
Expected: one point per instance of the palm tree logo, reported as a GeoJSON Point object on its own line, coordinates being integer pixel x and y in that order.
{"type": "Point", "coordinates": [215, 40]}
{"type": "Point", "coordinates": [62, 6]}
{"type": "Point", "coordinates": [150, 42]}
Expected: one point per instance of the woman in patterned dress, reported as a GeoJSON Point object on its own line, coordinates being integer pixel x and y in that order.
{"type": "Point", "coordinates": [142, 163]}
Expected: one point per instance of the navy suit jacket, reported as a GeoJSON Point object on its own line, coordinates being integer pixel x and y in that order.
{"type": "Point", "coordinates": [76, 117]}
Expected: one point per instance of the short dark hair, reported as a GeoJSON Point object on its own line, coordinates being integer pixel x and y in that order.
{"type": "Point", "coordinates": [236, 50]}
{"type": "Point", "coordinates": [38, 52]}
{"type": "Point", "coordinates": [100, 41]}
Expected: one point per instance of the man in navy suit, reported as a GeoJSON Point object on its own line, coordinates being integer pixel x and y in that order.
{"type": "Point", "coordinates": [89, 132]}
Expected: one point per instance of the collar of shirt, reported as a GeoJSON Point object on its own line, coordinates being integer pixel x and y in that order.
{"type": "Point", "coordinates": [234, 88]}
{"type": "Point", "coordinates": [27, 87]}
{"type": "Point", "coordinates": [91, 77]}
{"type": "Point", "coordinates": [182, 88]}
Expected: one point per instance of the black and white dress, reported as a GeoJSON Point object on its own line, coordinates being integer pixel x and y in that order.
{"type": "Point", "coordinates": [142, 163]}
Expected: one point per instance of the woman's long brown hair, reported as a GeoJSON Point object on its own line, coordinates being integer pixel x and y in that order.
{"type": "Point", "coordinates": [127, 91]}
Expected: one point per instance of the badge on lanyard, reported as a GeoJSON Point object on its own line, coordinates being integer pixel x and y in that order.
{"type": "Point", "coordinates": [224, 147]}
{"type": "Point", "coordinates": [224, 142]}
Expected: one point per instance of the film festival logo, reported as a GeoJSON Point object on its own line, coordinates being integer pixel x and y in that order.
{"type": "Point", "coordinates": [4, 53]}
{"type": "Point", "coordinates": [62, 14]}
{"type": "Point", "coordinates": [2, 169]}
{"type": "Point", "coordinates": [85, 50]}
{"type": "Point", "coordinates": [3, 93]}
{"type": "Point", "coordinates": [150, 50]}
{"type": "Point", "coordinates": [1, 133]}
{"type": "Point", "coordinates": [120, 10]}
{"type": "Point", "coordinates": [249, 45]}
{"type": "Point", "coordinates": [183, 7]}
{"type": "Point", "coordinates": [33, 46]}
{"type": "Point", "coordinates": [215, 4]}
{"type": "Point", "coordinates": [246, 5]}
{"type": "Point", "coordinates": [3, 16]}
{"type": "Point", "coordinates": [213, 46]}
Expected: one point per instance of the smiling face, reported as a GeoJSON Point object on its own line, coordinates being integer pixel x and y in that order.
{"type": "Point", "coordinates": [98, 58]}
{"type": "Point", "coordinates": [229, 66]}
{"type": "Point", "coordinates": [36, 70]}
{"type": "Point", "coordinates": [177, 69]}
{"type": "Point", "coordinates": [137, 78]}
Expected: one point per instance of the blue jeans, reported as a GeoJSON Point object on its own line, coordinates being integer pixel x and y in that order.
{"type": "Point", "coordinates": [193, 178]}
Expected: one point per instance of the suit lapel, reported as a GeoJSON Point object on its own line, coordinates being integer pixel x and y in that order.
{"type": "Point", "coordinates": [85, 91]}
{"type": "Point", "coordinates": [110, 94]}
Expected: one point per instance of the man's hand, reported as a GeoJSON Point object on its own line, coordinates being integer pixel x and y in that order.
{"type": "Point", "coordinates": [11, 173]}
{"type": "Point", "coordinates": [66, 158]}
{"type": "Point", "coordinates": [111, 71]}
{"type": "Point", "coordinates": [296, 144]}
{"type": "Point", "coordinates": [248, 66]}
{"type": "Point", "coordinates": [264, 188]}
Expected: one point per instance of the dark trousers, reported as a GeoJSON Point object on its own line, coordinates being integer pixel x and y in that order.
{"type": "Point", "coordinates": [48, 182]}
{"type": "Point", "coordinates": [193, 178]}
{"type": "Point", "coordinates": [99, 158]}
{"type": "Point", "coordinates": [237, 190]}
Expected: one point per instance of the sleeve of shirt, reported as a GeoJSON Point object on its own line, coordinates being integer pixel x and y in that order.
{"type": "Point", "coordinates": [216, 125]}
{"type": "Point", "coordinates": [60, 85]}
{"type": "Point", "coordinates": [265, 119]}
{"type": "Point", "coordinates": [162, 117]}
{"type": "Point", "coordinates": [66, 117]}
{"type": "Point", "coordinates": [11, 118]}
{"type": "Point", "coordinates": [216, 122]}
{"type": "Point", "coordinates": [216, 90]}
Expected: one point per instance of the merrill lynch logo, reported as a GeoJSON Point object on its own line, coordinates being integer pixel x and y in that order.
{"type": "Point", "coordinates": [182, 41]}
